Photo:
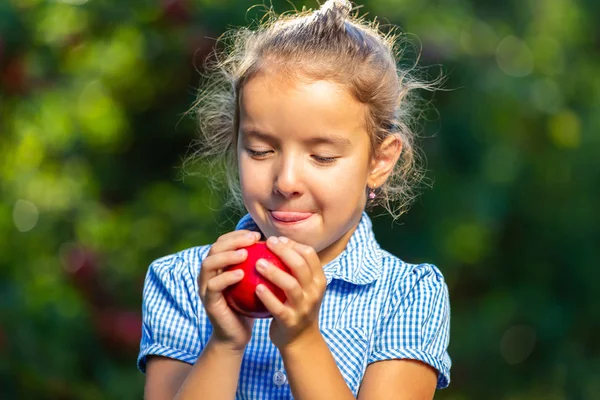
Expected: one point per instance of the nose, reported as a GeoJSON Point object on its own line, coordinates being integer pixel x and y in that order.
{"type": "Point", "coordinates": [288, 177]}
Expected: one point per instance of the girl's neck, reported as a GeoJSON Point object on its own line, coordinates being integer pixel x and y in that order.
{"type": "Point", "coordinates": [330, 253]}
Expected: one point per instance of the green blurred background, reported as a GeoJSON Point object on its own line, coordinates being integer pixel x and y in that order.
{"type": "Point", "coordinates": [92, 135]}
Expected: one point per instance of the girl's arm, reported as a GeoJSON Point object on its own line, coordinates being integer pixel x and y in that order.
{"type": "Point", "coordinates": [216, 372]}
{"type": "Point", "coordinates": [312, 371]}
{"type": "Point", "coordinates": [164, 377]}
{"type": "Point", "coordinates": [214, 375]}
{"type": "Point", "coordinates": [313, 374]}
{"type": "Point", "coordinates": [398, 379]}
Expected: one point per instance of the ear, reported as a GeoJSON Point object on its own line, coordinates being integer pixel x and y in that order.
{"type": "Point", "coordinates": [384, 160]}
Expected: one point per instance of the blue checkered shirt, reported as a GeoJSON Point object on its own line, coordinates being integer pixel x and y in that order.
{"type": "Point", "coordinates": [376, 307]}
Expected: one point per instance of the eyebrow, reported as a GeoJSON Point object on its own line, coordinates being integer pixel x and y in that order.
{"type": "Point", "coordinates": [331, 139]}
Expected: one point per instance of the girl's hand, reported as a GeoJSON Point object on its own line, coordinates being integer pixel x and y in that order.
{"type": "Point", "coordinates": [229, 328]}
{"type": "Point", "coordinates": [298, 318]}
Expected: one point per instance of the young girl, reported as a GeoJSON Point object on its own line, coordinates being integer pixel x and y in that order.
{"type": "Point", "coordinates": [310, 116]}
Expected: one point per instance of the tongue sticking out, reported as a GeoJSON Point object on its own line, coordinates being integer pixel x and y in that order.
{"type": "Point", "coordinates": [290, 216]}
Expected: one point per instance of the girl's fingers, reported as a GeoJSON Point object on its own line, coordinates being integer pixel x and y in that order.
{"type": "Point", "coordinates": [234, 240]}
{"type": "Point", "coordinates": [284, 249]}
{"type": "Point", "coordinates": [220, 282]}
{"type": "Point", "coordinates": [290, 285]}
{"type": "Point", "coordinates": [271, 302]}
{"type": "Point", "coordinates": [313, 261]}
{"type": "Point", "coordinates": [223, 253]}
{"type": "Point", "coordinates": [215, 262]}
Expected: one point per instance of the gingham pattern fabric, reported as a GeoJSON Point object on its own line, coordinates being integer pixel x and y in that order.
{"type": "Point", "coordinates": [376, 307]}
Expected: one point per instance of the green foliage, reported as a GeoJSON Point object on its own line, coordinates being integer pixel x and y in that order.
{"type": "Point", "coordinates": [92, 97]}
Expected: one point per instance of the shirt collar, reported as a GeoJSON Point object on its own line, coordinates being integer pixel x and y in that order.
{"type": "Point", "coordinates": [359, 263]}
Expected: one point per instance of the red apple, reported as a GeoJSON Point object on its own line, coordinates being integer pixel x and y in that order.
{"type": "Point", "coordinates": [242, 296]}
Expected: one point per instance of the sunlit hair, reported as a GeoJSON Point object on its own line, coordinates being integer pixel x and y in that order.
{"type": "Point", "coordinates": [332, 43]}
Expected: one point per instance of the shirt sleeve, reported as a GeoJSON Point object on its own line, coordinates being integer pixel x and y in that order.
{"type": "Point", "coordinates": [171, 326]}
{"type": "Point", "coordinates": [417, 325]}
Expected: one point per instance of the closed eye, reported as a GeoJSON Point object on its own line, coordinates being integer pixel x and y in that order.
{"type": "Point", "coordinates": [258, 154]}
{"type": "Point", "coordinates": [324, 160]}
{"type": "Point", "coordinates": [319, 159]}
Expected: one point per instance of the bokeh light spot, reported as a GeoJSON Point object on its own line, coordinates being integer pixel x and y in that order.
{"type": "Point", "coordinates": [546, 95]}
{"type": "Point", "coordinates": [57, 22]}
{"type": "Point", "coordinates": [25, 215]}
{"type": "Point", "coordinates": [502, 164]}
{"type": "Point", "coordinates": [29, 152]}
{"type": "Point", "coordinates": [548, 55]}
{"type": "Point", "coordinates": [517, 344]}
{"type": "Point", "coordinates": [468, 242]}
{"type": "Point", "coordinates": [514, 57]}
{"type": "Point", "coordinates": [101, 117]}
{"type": "Point", "coordinates": [478, 38]}
{"type": "Point", "coordinates": [565, 130]}
{"type": "Point", "coordinates": [73, 2]}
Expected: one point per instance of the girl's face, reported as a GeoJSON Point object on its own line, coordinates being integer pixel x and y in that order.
{"type": "Point", "coordinates": [304, 165]}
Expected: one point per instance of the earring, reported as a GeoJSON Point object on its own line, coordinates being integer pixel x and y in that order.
{"type": "Point", "coordinates": [372, 194]}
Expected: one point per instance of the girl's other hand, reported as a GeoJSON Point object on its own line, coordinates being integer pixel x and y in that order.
{"type": "Point", "coordinates": [229, 328]}
{"type": "Point", "coordinates": [297, 319]}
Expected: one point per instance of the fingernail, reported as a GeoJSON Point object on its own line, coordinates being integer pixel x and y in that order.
{"type": "Point", "coordinates": [257, 235]}
{"type": "Point", "coordinates": [241, 252]}
{"type": "Point", "coordinates": [262, 264]}
{"type": "Point", "coordinates": [260, 288]}
{"type": "Point", "coordinates": [251, 235]}
{"type": "Point", "coordinates": [274, 240]}
{"type": "Point", "coordinates": [283, 239]}
{"type": "Point", "coordinates": [239, 273]}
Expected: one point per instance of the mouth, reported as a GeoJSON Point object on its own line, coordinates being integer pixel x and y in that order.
{"type": "Point", "coordinates": [289, 217]}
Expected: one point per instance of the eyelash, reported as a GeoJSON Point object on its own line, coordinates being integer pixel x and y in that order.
{"type": "Point", "coordinates": [319, 159]}
{"type": "Point", "coordinates": [325, 160]}
{"type": "Point", "coordinates": [254, 153]}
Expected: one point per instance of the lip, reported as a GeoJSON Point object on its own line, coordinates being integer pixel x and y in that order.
{"type": "Point", "coordinates": [289, 217]}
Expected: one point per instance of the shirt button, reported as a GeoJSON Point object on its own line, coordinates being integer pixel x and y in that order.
{"type": "Point", "coordinates": [279, 378]}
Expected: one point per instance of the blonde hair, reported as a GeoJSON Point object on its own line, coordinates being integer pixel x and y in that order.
{"type": "Point", "coordinates": [331, 43]}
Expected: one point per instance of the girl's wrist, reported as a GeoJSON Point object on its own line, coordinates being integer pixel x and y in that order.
{"type": "Point", "coordinates": [225, 349]}
{"type": "Point", "coordinates": [303, 343]}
